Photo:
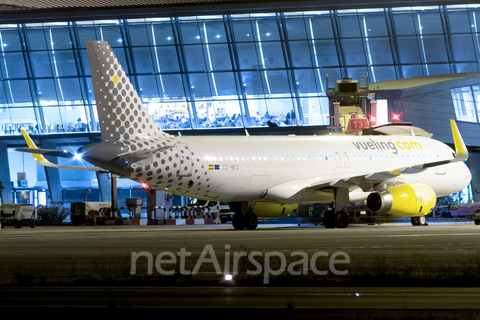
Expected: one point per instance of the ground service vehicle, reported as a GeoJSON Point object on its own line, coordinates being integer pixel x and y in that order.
{"type": "Point", "coordinates": [476, 217]}
{"type": "Point", "coordinates": [18, 214]}
{"type": "Point", "coordinates": [86, 212]}
{"type": "Point", "coordinates": [219, 210]}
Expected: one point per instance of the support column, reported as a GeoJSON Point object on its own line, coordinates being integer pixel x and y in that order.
{"type": "Point", "coordinates": [5, 175]}
{"type": "Point", "coordinates": [473, 164]}
{"type": "Point", "coordinates": [52, 174]}
{"type": "Point", "coordinates": [104, 187]}
{"type": "Point", "coordinates": [114, 194]}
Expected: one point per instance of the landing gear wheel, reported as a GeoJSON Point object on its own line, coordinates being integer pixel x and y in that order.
{"type": "Point", "coordinates": [419, 221]}
{"type": "Point", "coordinates": [250, 221]}
{"type": "Point", "coordinates": [329, 219]}
{"type": "Point", "coordinates": [477, 222]}
{"type": "Point", "coordinates": [422, 221]}
{"type": "Point", "coordinates": [237, 221]}
{"type": "Point", "coordinates": [341, 219]}
{"type": "Point", "coordinates": [17, 224]}
{"type": "Point", "coordinates": [414, 221]}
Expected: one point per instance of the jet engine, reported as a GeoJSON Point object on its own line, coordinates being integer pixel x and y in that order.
{"type": "Point", "coordinates": [403, 201]}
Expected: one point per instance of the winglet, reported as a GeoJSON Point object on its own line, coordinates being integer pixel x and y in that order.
{"type": "Point", "coordinates": [31, 145]}
{"type": "Point", "coordinates": [460, 147]}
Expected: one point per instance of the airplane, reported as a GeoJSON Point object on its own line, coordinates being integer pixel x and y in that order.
{"type": "Point", "coordinates": [400, 175]}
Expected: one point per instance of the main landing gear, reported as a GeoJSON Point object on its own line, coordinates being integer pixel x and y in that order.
{"type": "Point", "coordinates": [247, 221]}
{"type": "Point", "coordinates": [419, 221]}
{"type": "Point", "coordinates": [332, 219]}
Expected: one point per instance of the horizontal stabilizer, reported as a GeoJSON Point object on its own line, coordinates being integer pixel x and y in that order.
{"type": "Point", "coordinates": [38, 155]}
{"type": "Point", "coordinates": [48, 152]}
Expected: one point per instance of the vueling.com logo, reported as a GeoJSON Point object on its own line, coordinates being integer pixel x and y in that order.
{"type": "Point", "coordinates": [372, 145]}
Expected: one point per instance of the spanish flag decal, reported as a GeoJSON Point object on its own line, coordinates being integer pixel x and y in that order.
{"type": "Point", "coordinates": [210, 167]}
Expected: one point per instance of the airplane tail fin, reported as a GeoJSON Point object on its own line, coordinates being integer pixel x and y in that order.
{"type": "Point", "coordinates": [121, 113]}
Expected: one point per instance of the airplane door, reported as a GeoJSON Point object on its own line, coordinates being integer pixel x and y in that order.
{"type": "Point", "coordinates": [437, 155]}
{"type": "Point", "coordinates": [338, 160]}
{"type": "Point", "coordinates": [347, 160]}
{"type": "Point", "coordinates": [184, 160]}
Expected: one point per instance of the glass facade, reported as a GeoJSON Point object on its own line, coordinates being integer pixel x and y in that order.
{"type": "Point", "coordinates": [239, 70]}
{"type": "Point", "coordinates": [466, 101]}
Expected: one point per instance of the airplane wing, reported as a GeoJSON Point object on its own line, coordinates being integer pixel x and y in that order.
{"type": "Point", "coordinates": [38, 155]}
{"type": "Point", "coordinates": [366, 181]}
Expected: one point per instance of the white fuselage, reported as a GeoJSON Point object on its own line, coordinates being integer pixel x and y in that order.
{"type": "Point", "coordinates": [294, 169]}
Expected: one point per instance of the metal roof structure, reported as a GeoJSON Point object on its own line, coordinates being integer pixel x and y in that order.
{"type": "Point", "coordinates": [57, 10]}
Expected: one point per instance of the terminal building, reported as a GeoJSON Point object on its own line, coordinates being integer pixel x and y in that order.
{"type": "Point", "coordinates": [220, 67]}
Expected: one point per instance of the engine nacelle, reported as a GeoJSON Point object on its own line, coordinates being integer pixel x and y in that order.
{"type": "Point", "coordinates": [404, 201]}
